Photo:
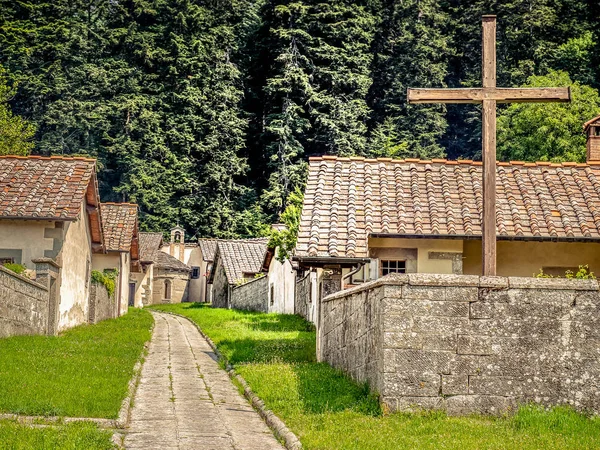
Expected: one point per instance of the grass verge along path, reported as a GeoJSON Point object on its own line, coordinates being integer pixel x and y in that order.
{"type": "Point", "coordinates": [326, 410]}
{"type": "Point", "coordinates": [84, 372]}
{"type": "Point", "coordinates": [79, 435]}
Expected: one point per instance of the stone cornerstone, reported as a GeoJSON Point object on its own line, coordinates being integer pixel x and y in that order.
{"type": "Point", "coordinates": [468, 344]}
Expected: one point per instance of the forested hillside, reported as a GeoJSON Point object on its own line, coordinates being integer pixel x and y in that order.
{"type": "Point", "coordinates": [204, 112]}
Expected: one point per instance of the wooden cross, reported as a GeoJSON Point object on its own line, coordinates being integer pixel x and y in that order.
{"type": "Point", "coordinates": [489, 95]}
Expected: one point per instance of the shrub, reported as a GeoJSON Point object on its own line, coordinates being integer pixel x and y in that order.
{"type": "Point", "coordinates": [19, 269]}
{"type": "Point", "coordinates": [106, 278]}
{"type": "Point", "coordinates": [582, 274]}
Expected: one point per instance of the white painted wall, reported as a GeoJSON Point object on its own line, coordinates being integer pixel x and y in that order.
{"type": "Point", "coordinates": [282, 283]}
{"type": "Point", "coordinates": [27, 236]}
{"type": "Point", "coordinates": [143, 284]}
{"type": "Point", "coordinates": [193, 257]}
{"type": "Point", "coordinates": [76, 261]}
{"type": "Point", "coordinates": [124, 274]}
{"type": "Point", "coordinates": [119, 261]}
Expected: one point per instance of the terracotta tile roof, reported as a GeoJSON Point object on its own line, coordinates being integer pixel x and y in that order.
{"type": "Point", "coordinates": [150, 244]}
{"type": "Point", "coordinates": [241, 257]}
{"type": "Point", "coordinates": [166, 261]}
{"type": "Point", "coordinates": [348, 199]}
{"type": "Point", "coordinates": [208, 247]}
{"type": "Point", "coordinates": [119, 222]}
{"type": "Point", "coordinates": [44, 188]}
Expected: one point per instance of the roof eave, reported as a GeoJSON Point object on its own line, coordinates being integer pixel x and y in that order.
{"type": "Point", "coordinates": [475, 237]}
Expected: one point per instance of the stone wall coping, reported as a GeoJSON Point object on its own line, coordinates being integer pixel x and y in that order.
{"type": "Point", "coordinates": [447, 280]}
{"type": "Point", "coordinates": [49, 261]}
{"type": "Point", "coordinates": [22, 278]}
{"type": "Point", "coordinates": [253, 280]}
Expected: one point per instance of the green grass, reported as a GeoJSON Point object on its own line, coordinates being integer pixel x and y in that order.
{"type": "Point", "coordinates": [326, 410]}
{"type": "Point", "coordinates": [84, 372]}
{"type": "Point", "coordinates": [80, 435]}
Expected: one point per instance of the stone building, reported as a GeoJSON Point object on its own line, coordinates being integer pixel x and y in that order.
{"type": "Point", "coordinates": [120, 224]}
{"type": "Point", "coordinates": [164, 278]}
{"type": "Point", "coordinates": [236, 262]}
{"type": "Point", "coordinates": [150, 245]}
{"type": "Point", "coordinates": [366, 218]}
{"type": "Point", "coordinates": [50, 223]}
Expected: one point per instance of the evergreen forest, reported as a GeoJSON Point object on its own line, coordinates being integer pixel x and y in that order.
{"type": "Point", "coordinates": [204, 112]}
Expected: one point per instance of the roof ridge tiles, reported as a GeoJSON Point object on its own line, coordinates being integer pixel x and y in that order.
{"type": "Point", "coordinates": [324, 159]}
{"type": "Point", "coordinates": [49, 158]}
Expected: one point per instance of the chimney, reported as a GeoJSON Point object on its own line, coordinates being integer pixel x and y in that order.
{"type": "Point", "coordinates": [592, 131]}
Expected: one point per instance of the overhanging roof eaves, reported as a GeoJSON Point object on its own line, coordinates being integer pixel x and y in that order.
{"type": "Point", "coordinates": [474, 237]}
{"type": "Point", "coordinates": [318, 261]}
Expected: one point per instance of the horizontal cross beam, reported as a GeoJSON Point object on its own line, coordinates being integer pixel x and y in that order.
{"type": "Point", "coordinates": [500, 95]}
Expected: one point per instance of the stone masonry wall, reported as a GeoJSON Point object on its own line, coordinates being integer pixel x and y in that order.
{"type": "Point", "coordinates": [302, 297]}
{"type": "Point", "coordinates": [251, 296]}
{"type": "Point", "coordinates": [102, 306]}
{"type": "Point", "coordinates": [468, 344]}
{"type": "Point", "coordinates": [23, 305]}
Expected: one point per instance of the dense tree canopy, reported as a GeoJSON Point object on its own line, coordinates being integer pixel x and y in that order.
{"type": "Point", "coordinates": [15, 133]}
{"type": "Point", "coordinates": [548, 131]}
{"type": "Point", "coordinates": [205, 111]}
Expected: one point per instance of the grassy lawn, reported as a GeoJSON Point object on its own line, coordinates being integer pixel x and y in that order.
{"type": "Point", "coordinates": [84, 372]}
{"type": "Point", "coordinates": [326, 410]}
{"type": "Point", "coordinates": [82, 435]}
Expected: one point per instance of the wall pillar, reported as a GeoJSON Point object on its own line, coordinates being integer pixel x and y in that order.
{"type": "Point", "coordinates": [47, 273]}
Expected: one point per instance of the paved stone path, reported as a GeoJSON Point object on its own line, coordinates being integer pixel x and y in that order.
{"type": "Point", "coordinates": [185, 401]}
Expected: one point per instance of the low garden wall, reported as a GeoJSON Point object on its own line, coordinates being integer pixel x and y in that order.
{"type": "Point", "coordinates": [468, 344]}
{"type": "Point", "coordinates": [251, 296]}
{"type": "Point", "coordinates": [102, 305]}
{"type": "Point", "coordinates": [23, 305]}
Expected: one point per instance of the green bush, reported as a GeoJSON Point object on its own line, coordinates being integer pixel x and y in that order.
{"type": "Point", "coordinates": [106, 278]}
{"type": "Point", "coordinates": [582, 274]}
{"type": "Point", "coordinates": [19, 269]}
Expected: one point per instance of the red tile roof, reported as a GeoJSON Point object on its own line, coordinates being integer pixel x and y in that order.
{"type": "Point", "coordinates": [150, 244]}
{"type": "Point", "coordinates": [35, 187]}
{"type": "Point", "coordinates": [240, 257]}
{"type": "Point", "coordinates": [119, 222]}
{"type": "Point", "coordinates": [349, 199]}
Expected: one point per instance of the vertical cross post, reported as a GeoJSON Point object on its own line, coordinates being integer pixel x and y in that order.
{"type": "Point", "coordinates": [488, 95]}
{"type": "Point", "coordinates": [488, 137]}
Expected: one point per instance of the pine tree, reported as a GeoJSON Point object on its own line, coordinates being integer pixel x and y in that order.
{"type": "Point", "coordinates": [411, 50]}
{"type": "Point", "coordinates": [15, 133]}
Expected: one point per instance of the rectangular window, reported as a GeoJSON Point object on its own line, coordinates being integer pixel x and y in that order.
{"type": "Point", "coordinates": [388, 267]}
{"type": "Point", "coordinates": [195, 272]}
{"type": "Point", "coordinates": [7, 261]}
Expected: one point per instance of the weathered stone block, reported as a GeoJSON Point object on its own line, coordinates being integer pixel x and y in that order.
{"type": "Point", "coordinates": [424, 292]}
{"type": "Point", "coordinates": [455, 384]}
{"type": "Point", "coordinates": [411, 384]}
{"type": "Point", "coordinates": [474, 345]}
{"type": "Point", "coordinates": [433, 279]}
{"type": "Point", "coordinates": [416, 361]}
{"type": "Point", "coordinates": [460, 405]}
{"type": "Point", "coordinates": [462, 294]}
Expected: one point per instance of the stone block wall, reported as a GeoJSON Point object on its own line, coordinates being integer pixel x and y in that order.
{"type": "Point", "coordinates": [251, 296]}
{"type": "Point", "coordinates": [468, 344]}
{"type": "Point", "coordinates": [220, 287]}
{"type": "Point", "coordinates": [302, 298]}
{"type": "Point", "coordinates": [23, 305]}
{"type": "Point", "coordinates": [102, 306]}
